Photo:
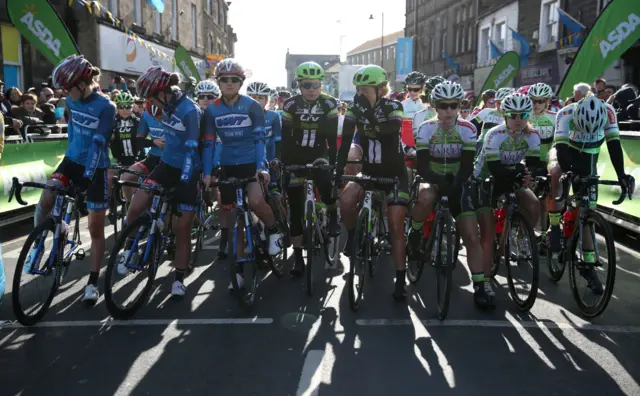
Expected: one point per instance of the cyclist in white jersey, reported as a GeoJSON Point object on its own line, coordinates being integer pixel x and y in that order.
{"type": "Point", "coordinates": [487, 118]}
{"type": "Point", "coordinates": [415, 83]}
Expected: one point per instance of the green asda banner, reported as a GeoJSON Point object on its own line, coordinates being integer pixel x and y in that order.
{"type": "Point", "coordinates": [185, 63]}
{"type": "Point", "coordinates": [39, 23]}
{"type": "Point", "coordinates": [616, 29]}
{"type": "Point", "coordinates": [502, 73]}
{"type": "Point", "coordinates": [28, 162]}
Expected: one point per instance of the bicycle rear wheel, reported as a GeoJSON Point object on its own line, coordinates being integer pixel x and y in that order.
{"type": "Point", "coordinates": [121, 282]}
{"type": "Point", "coordinates": [310, 243]}
{"type": "Point", "coordinates": [359, 261]}
{"type": "Point", "coordinates": [446, 240]}
{"type": "Point", "coordinates": [31, 313]}
{"type": "Point", "coordinates": [519, 235]}
{"type": "Point", "coordinates": [578, 269]}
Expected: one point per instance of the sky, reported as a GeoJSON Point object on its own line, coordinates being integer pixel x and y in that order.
{"type": "Point", "coordinates": [265, 30]}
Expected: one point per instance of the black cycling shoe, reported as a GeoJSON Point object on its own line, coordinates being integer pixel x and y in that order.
{"type": "Point", "coordinates": [400, 292]}
{"type": "Point", "coordinates": [591, 275]}
{"type": "Point", "coordinates": [298, 268]}
{"type": "Point", "coordinates": [415, 237]}
{"type": "Point", "coordinates": [482, 299]}
{"type": "Point", "coordinates": [222, 250]}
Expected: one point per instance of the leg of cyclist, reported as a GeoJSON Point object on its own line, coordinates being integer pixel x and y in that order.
{"type": "Point", "coordinates": [323, 182]}
{"type": "Point", "coordinates": [397, 210]}
{"type": "Point", "coordinates": [97, 203]}
{"type": "Point", "coordinates": [295, 192]}
{"type": "Point", "coordinates": [427, 196]}
{"type": "Point", "coordinates": [349, 199]}
{"type": "Point", "coordinates": [264, 213]}
{"type": "Point", "coordinates": [137, 167]}
{"type": "Point", "coordinates": [355, 154]}
{"type": "Point", "coordinates": [555, 209]}
{"type": "Point", "coordinates": [186, 198]}
{"type": "Point", "coordinates": [530, 203]}
{"type": "Point", "coordinates": [487, 223]}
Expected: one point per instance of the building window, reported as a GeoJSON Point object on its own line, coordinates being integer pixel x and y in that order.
{"type": "Point", "coordinates": [500, 35]}
{"type": "Point", "coordinates": [432, 55]}
{"type": "Point", "coordinates": [210, 44]}
{"type": "Point", "coordinates": [393, 51]}
{"type": "Point", "coordinates": [194, 25]}
{"type": "Point", "coordinates": [484, 44]}
{"type": "Point", "coordinates": [209, 7]}
{"type": "Point", "coordinates": [174, 20]}
{"type": "Point", "coordinates": [549, 22]}
{"type": "Point", "coordinates": [137, 12]}
{"type": "Point", "coordinates": [112, 6]}
{"type": "Point", "coordinates": [443, 42]}
{"type": "Point", "coordinates": [469, 37]}
{"type": "Point", "coordinates": [157, 23]}
{"type": "Point", "coordinates": [388, 53]}
{"type": "Point", "coordinates": [220, 12]}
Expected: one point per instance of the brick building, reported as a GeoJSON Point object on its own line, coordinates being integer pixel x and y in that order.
{"type": "Point", "coordinates": [380, 51]}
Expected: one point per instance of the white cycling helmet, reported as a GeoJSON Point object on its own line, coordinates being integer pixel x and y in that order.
{"type": "Point", "coordinates": [590, 115]}
{"type": "Point", "coordinates": [447, 91]}
{"type": "Point", "coordinates": [207, 87]}
{"type": "Point", "coordinates": [502, 93]}
{"type": "Point", "coordinates": [258, 88]}
{"type": "Point", "coordinates": [273, 94]}
{"type": "Point", "coordinates": [540, 90]}
{"type": "Point", "coordinates": [517, 103]}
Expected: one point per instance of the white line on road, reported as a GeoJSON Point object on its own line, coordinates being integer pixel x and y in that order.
{"type": "Point", "coordinates": [499, 323]}
{"type": "Point", "coordinates": [143, 322]}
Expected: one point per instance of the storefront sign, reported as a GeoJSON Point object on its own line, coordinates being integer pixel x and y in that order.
{"type": "Point", "coordinates": [543, 72]}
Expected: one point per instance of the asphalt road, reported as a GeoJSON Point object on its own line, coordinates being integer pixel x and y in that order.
{"type": "Point", "coordinates": [293, 344]}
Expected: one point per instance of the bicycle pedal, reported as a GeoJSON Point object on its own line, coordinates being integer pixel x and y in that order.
{"type": "Point", "coordinates": [80, 254]}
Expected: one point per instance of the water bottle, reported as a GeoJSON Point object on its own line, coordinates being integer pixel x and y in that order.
{"type": "Point", "coordinates": [568, 221]}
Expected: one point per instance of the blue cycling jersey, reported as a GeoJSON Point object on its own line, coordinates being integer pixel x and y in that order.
{"type": "Point", "coordinates": [150, 126]}
{"type": "Point", "coordinates": [89, 131]}
{"type": "Point", "coordinates": [181, 121]}
{"type": "Point", "coordinates": [241, 129]}
{"type": "Point", "coordinates": [273, 133]}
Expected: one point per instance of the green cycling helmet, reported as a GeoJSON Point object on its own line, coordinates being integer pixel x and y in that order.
{"type": "Point", "coordinates": [309, 71]}
{"type": "Point", "coordinates": [124, 98]}
{"type": "Point", "coordinates": [371, 76]}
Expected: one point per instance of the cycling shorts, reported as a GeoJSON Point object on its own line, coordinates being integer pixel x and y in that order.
{"type": "Point", "coordinates": [70, 173]}
{"type": "Point", "coordinates": [149, 163]}
{"type": "Point", "coordinates": [228, 193]}
{"type": "Point", "coordinates": [166, 176]}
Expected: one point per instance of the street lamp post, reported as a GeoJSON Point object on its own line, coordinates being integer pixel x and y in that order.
{"type": "Point", "coordinates": [381, 40]}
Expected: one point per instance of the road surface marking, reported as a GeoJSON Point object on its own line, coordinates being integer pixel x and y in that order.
{"type": "Point", "coordinates": [143, 322]}
{"type": "Point", "coordinates": [499, 323]}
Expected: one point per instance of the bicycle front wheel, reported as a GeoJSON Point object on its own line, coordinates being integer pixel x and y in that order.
{"type": "Point", "coordinates": [592, 301]}
{"type": "Point", "coordinates": [310, 243]}
{"type": "Point", "coordinates": [446, 244]}
{"type": "Point", "coordinates": [242, 266]}
{"type": "Point", "coordinates": [359, 260]}
{"type": "Point", "coordinates": [520, 254]}
{"type": "Point", "coordinates": [30, 271]}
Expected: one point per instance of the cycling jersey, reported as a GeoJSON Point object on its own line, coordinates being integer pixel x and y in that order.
{"type": "Point", "coordinates": [486, 119]}
{"type": "Point", "coordinates": [410, 107]}
{"type": "Point", "coordinates": [545, 125]}
{"type": "Point", "coordinates": [125, 148]}
{"type": "Point", "coordinates": [181, 121]}
{"type": "Point", "coordinates": [566, 133]}
{"type": "Point", "coordinates": [89, 130]}
{"type": "Point", "coordinates": [446, 147]}
{"type": "Point", "coordinates": [422, 116]}
{"type": "Point", "coordinates": [308, 128]}
{"type": "Point", "coordinates": [153, 129]}
{"type": "Point", "coordinates": [241, 129]}
{"type": "Point", "coordinates": [273, 133]}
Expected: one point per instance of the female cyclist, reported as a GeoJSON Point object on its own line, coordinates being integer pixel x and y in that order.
{"type": "Point", "coordinates": [379, 123]}
{"type": "Point", "coordinates": [125, 147]}
{"type": "Point", "coordinates": [179, 163]}
{"type": "Point", "coordinates": [85, 163]}
{"type": "Point", "coordinates": [446, 148]}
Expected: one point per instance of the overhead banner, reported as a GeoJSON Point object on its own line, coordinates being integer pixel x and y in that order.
{"type": "Point", "coordinates": [185, 64]}
{"type": "Point", "coordinates": [505, 70]}
{"type": "Point", "coordinates": [404, 57]}
{"type": "Point", "coordinates": [39, 23]}
{"type": "Point", "coordinates": [614, 31]}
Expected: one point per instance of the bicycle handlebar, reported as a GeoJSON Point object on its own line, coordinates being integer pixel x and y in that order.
{"type": "Point", "coordinates": [16, 190]}
{"type": "Point", "coordinates": [568, 177]}
{"type": "Point", "coordinates": [155, 190]}
{"type": "Point", "coordinates": [121, 169]}
{"type": "Point", "coordinates": [234, 182]}
{"type": "Point", "coordinates": [293, 168]}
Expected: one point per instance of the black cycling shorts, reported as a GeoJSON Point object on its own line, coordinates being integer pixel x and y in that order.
{"type": "Point", "coordinates": [403, 197]}
{"type": "Point", "coordinates": [166, 176]}
{"type": "Point", "coordinates": [70, 173]}
{"type": "Point", "coordinates": [228, 193]}
{"type": "Point", "coordinates": [149, 163]}
{"type": "Point", "coordinates": [463, 201]}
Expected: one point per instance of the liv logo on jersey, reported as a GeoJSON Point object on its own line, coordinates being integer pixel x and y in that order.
{"type": "Point", "coordinates": [233, 121]}
{"type": "Point", "coordinates": [617, 35]}
{"type": "Point", "coordinates": [84, 120]}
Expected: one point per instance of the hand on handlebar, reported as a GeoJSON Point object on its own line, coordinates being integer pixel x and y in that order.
{"type": "Point", "coordinates": [629, 182]}
{"type": "Point", "coordinates": [261, 173]}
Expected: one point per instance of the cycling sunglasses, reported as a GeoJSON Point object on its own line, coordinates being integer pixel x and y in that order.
{"type": "Point", "coordinates": [206, 97]}
{"type": "Point", "coordinates": [125, 107]}
{"type": "Point", "coordinates": [414, 89]}
{"type": "Point", "coordinates": [539, 101]}
{"type": "Point", "coordinates": [444, 106]}
{"type": "Point", "coordinates": [311, 85]}
{"type": "Point", "coordinates": [233, 80]}
{"type": "Point", "coordinates": [517, 116]}
{"type": "Point", "coordinates": [259, 97]}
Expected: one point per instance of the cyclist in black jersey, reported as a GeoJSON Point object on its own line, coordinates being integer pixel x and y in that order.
{"type": "Point", "coordinates": [124, 146]}
{"type": "Point", "coordinates": [309, 125]}
{"type": "Point", "coordinates": [379, 123]}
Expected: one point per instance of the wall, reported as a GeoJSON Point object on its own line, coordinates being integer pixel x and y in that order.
{"type": "Point", "coordinates": [507, 14]}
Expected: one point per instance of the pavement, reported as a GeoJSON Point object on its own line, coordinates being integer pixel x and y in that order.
{"type": "Point", "coordinates": [293, 344]}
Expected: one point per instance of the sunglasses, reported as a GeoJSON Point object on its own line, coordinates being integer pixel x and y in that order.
{"type": "Point", "coordinates": [206, 97]}
{"type": "Point", "coordinates": [414, 89]}
{"type": "Point", "coordinates": [311, 85]}
{"type": "Point", "coordinates": [492, 101]}
{"type": "Point", "coordinates": [124, 107]}
{"type": "Point", "coordinates": [444, 106]}
{"type": "Point", "coordinates": [230, 80]}
{"type": "Point", "coordinates": [259, 97]}
{"type": "Point", "coordinates": [517, 116]}
{"type": "Point", "coordinates": [540, 101]}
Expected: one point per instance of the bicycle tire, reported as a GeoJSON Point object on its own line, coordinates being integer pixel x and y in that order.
{"type": "Point", "coordinates": [416, 268]}
{"type": "Point", "coordinates": [375, 243]}
{"type": "Point", "coordinates": [444, 269]}
{"type": "Point", "coordinates": [359, 244]}
{"type": "Point", "coordinates": [555, 274]}
{"type": "Point", "coordinates": [197, 237]}
{"type": "Point", "coordinates": [277, 265]}
{"type": "Point", "coordinates": [246, 294]}
{"type": "Point", "coordinates": [26, 319]}
{"type": "Point", "coordinates": [330, 247]}
{"type": "Point", "coordinates": [611, 275]}
{"type": "Point", "coordinates": [154, 258]}
{"type": "Point", "coordinates": [497, 253]}
{"type": "Point", "coordinates": [526, 304]}
{"type": "Point", "coordinates": [310, 246]}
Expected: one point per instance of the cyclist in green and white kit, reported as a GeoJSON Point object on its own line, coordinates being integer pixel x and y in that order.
{"type": "Point", "coordinates": [487, 118]}
{"type": "Point", "coordinates": [429, 112]}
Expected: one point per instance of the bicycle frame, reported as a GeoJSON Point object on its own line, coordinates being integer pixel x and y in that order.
{"type": "Point", "coordinates": [157, 225]}
{"type": "Point", "coordinates": [311, 198]}
{"type": "Point", "coordinates": [242, 206]}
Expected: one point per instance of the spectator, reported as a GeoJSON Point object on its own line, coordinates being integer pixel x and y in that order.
{"type": "Point", "coordinates": [625, 101]}
{"type": "Point", "coordinates": [580, 90]}
{"type": "Point", "coordinates": [58, 93]}
{"type": "Point", "coordinates": [118, 84]}
{"type": "Point", "coordinates": [1, 86]}
{"type": "Point", "coordinates": [608, 92]}
{"type": "Point", "coordinates": [61, 110]}
{"type": "Point", "coordinates": [131, 86]}
{"type": "Point", "coordinates": [599, 86]}
{"type": "Point", "coordinates": [45, 95]}
{"type": "Point", "coordinates": [28, 113]}
{"type": "Point", "coordinates": [32, 90]}
{"type": "Point", "coordinates": [11, 99]}
{"type": "Point", "coordinates": [113, 94]}
{"type": "Point", "coordinates": [138, 107]}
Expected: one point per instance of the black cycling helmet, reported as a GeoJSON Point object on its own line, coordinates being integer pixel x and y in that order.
{"type": "Point", "coordinates": [415, 78]}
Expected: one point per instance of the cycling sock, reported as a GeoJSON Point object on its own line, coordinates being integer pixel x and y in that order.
{"type": "Point", "coordinates": [273, 230]}
{"type": "Point", "coordinates": [589, 256]}
{"type": "Point", "coordinates": [93, 278]}
{"type": "Point", "coordinates": [478, 280]}
{"type": "Point", "coordinates": [543, 234]}
{"type": "Point", "coordinates": [297, 253]}
{"type": "Point", "coordinates": [415, 225]}
{"type": "Point", "coordinates": [224, 234]}
{"type": "Point", "coordinates": [400, 277]}
{"type": "Point", "coordinates": [554, 218]}
{"type": "Point", "coordinates": [128, 243]}
{"type": "Point", "coordinates": [179, 275]}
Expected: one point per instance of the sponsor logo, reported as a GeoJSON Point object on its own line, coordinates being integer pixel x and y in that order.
{"type": "Point", "coordinates": [39, 30]}
{"type": "Point", "coordinates": [309, 118]}
{"type": "Point", "coordinates": [617, 35]}
{"type": "Point", "coordinates": [174, 123]}
{"type": "Point", "coordinates": [503, 76]}
{"type": "Point", "coordinates": [233, 121]}
{"type": "Point", "coordinates": [84, 120]}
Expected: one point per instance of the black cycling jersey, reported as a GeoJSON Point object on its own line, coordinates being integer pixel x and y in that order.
{"type": "Point", "coordinates": [125, 147]}
{"type": "Point", "coordinates": [308, 128]}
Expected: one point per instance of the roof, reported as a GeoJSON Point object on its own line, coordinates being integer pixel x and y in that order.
{"type": "Point", "coordinates": [375, 43]}
{"type": "Point", "coordinates": [296, 59]}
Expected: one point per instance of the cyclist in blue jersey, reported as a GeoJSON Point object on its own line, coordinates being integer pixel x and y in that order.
{"type": "Point", "coordinates": [179, 164]}
{"type": "Point", "coordinates": [239, 121]}
{"type": "Point", "coordinates": [273, 130]}
{"type": "Point", "coordinates": [206, 92]}
{"type": "Point", "coordinates": [90, 125]}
